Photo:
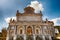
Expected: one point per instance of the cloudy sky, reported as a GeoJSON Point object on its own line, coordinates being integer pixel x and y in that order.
{"type": "Point", "coordinates": [51, 10]}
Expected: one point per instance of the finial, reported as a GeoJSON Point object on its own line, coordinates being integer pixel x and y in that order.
{"type": "Point", "coordinates": [46, 20]}
{"type": "Point", "coordinates": [17, 11]}
{"type": "Point", "coordinates": [11, 20]}
{"type": "Point", "coordinates": [41, 12]}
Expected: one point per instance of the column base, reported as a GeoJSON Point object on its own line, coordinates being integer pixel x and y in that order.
{"type": "Point", "coordinates": [14, 37]}
{"type": "Point", "coordinates": [43, 37]}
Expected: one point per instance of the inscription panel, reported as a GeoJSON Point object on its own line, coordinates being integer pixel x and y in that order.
{"type": "Point", "coordinates": [29, 18]}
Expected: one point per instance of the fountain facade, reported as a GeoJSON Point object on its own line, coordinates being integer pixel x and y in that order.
{"type": "Point", "coordinates": [30, 26]}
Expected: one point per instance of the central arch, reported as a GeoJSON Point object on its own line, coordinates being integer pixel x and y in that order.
{"type": "Point", "coordinates": [29, 30]}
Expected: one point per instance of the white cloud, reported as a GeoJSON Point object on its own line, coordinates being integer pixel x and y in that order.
{"type": "Point", "coordinates": [8, 19]}
{"type": "Point", "coordinates": [36, 5]}
{"type": "Point", "coordinates": [56, 20]}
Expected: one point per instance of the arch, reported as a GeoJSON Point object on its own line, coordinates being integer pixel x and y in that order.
{"type": "Point", "coordinates": [37, 30]}
{"type": "Point", "coordinates": [20, 30]}
{"type": "Point", "coordinates": [29, 30]}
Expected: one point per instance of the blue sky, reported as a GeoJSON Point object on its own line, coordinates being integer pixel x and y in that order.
{"type": "Point", "coordinates": [8, 9]}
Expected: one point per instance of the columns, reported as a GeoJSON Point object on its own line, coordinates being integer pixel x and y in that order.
{"type": "Point", "coordinates": [34, 36]}
{"type": "Point", "coordinates": [50, 38]}
{"type": "Point", "coordinates": [33, 29]}
{"type": "Point", "coordinates": [7, 38]}
{"type": "Point", "coordinates": [33, 32]}
{"type": "Point", "coordinates": [24, 36]}
{"type": "Point", "coordinates": [43, 37]}
{"type": "Point", "coordinates": [15, 33]}
{"type": "Point", "coordinates": [14, 37]}
{"type": "Point", "coordinates": [25, 32]}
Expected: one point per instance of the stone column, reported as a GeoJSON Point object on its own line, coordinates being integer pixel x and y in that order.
{"type": "Point", "coordinates": [41, 30]}
{"type": "Point", "coordinates": [43, 37]}
{"type": "Point", "coordinates": [33, 29]}
{"type": "Point", "coordinates": [7, 38]}
{"type": "Point", "coordinates": [33, 32]}
{"type": "Point", "coordinates": [14, 37]}
{"type": "Point", "coordinates": [34, 36]}
{"type": "Point", "coordinates": [50, 38]}
{"type": "Point", "coordinates": [24, 36]}
{"type": "Point", "coordinates": [24, 32]}
{"type": "Point", "coordinates": [15, 33]}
